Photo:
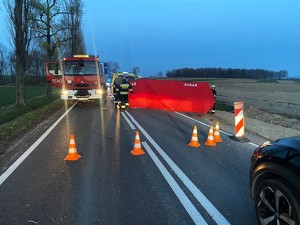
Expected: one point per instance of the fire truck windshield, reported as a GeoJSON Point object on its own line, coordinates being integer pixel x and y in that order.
{"type": "Point", "coordinates": [84, 68]}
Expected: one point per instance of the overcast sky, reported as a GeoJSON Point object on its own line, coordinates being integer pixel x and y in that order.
{"type": "Point", "coordinates": [161, 35]}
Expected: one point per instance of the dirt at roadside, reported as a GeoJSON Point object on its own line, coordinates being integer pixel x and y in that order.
{"type": "Point", "coordinates": [265, 104]}
{"type": "Point", "coordinates": [272, 118]}
{"type": "Point", "coordinates": [260, 126]}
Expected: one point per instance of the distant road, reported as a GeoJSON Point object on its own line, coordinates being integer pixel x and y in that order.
{"type": "Point", "coordinates": [171, 183]}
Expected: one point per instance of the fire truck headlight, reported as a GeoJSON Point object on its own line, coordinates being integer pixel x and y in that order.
{"type": "Point", "coordinates": [65, 92]}
{"type": "Point", "coordinates": [99, 91]}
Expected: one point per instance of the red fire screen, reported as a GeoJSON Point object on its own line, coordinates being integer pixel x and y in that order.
{"type": "Point", "coordinates": [179, 96]}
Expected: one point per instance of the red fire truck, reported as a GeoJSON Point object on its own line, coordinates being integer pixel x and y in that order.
{"type": "Point", "coordinates": [80, 77]}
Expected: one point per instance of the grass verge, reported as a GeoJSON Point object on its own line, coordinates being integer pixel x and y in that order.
{"type": "Point", "coordinates": [8, 94]}
{"type": "Point", "coordinates": [18, 126]}
{"type": "Point", "coordinates": [10, 113]}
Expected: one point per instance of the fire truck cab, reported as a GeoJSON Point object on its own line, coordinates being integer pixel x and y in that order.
{"type": "Point", "coordinates": [80, 77]}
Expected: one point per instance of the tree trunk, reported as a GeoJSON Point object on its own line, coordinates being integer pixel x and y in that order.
{"type": "Point", "coordinates": [20, 90]}
{"type": "Point", "coordinates": [20, 54]}
{"type": "Point", "coordinates": [49, 92]}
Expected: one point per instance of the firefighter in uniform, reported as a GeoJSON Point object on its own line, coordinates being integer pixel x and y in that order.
{"type": "Point", "coordinates": [104, 92]}
{"type": "Point", "coordinates": [213, 89]}
{"type": "Point", "coordinates": [116, 91]}
{"type": "Point", "coordinates": [124, 87]}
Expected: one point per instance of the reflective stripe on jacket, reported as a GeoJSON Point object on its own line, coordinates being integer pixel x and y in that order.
{"type": "Point", "coordinates": [124, 88]}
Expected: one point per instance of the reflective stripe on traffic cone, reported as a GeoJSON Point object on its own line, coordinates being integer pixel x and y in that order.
{"type": "Point", "coordinates": [210, 139]}
{"type": "Point", "coordinates": [137, 149]}
{"type": "Point", "coordinates": [72, 155]}
{"type": "Point", "coordinates": [217, 137]}
{"type": "Point", "coordinates": [194, 141]}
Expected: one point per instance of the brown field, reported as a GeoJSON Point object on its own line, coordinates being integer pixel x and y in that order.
{"type": "Point", "coordinates": [279, 98]}
{"type": "Point", "coordinates": [271, 109]}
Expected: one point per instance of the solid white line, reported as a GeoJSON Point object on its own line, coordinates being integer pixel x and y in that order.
{"type": "Point", "coordinates": [187, 204]}
{"type": "Point", "coordinates": [209, 207]}
{"type": "Point", "coordinates": [255, 145]}
{"type": "Point", "coordinates": [14, 166]}
{"type": "Point", "coordinates": [128, 121]}
{"type": "Point", "coordinates": [204, 124]}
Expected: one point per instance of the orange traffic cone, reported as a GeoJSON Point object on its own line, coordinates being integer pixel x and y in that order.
{"type": "Point", "coordinates": [210, 139]}
{"type": "Point", "coordinates": [194, 141]}
{"type": "Point", "coordinates": [137, 149]}
{"type": "Point", "coordinates": [73, 155]}
{"type": "Point", "coordinates": [217, 136]}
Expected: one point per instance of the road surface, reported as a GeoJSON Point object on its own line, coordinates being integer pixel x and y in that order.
{"type": "Point", "coordinates": [171, 183]}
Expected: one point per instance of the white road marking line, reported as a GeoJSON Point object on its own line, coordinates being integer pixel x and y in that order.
{"type": "Point", "coordinates": [255, 145]}
{"type": "Point", "coordinates": [14, 166]}
{"type": "Point", "coordinates": [187, 204]}
{"type": "Point", "coordinates": [128, 121]}
{"type": "Point", "coordinates": [209, 207]}
{"type": "Point", "coordinates": [204, 124]}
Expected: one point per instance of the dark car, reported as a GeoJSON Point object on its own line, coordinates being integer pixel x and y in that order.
{"type": "Point", "coordinates": [275, 181]}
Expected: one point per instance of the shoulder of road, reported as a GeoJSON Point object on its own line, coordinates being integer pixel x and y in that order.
{"type": "Point", "coordinates": [259, 126]}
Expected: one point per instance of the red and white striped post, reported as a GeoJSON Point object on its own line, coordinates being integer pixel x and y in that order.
{"type": "Point", "coordinates": [239, 122]}
{"type": "Point", "coordinates": [239, 119]}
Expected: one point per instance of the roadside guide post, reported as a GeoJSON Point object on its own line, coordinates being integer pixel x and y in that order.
{"type": "Point", "coordinates": [239, 122]}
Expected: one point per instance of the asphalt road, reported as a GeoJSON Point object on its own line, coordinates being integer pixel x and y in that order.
{"type": "Point", "coordinates": [171, 183]}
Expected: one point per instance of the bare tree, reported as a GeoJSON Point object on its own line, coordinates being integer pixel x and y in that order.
{"type": "Point", "coordinates": [20, 17]}
{"type": "Point", "coordinates": [12, 65]}
{"type": "Point", "coordinates": [160, 74]}
{"type": "Point", "coordinates": [136, 70]}
{"type": "Point", "coordinates": [2, 63]}
{"type": "Point", "coordinates": [37, 67]}
{"type": "Point", "coordinates": [114, 66]}
{"type": "Point", "coordinates": [2, 59]}
{"type": "Point", "coordinates": [57, 26]}
{"type": "Point", "coordinates": [47, 26]}
{"type": "Point", "coordinates": [73, 20]}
